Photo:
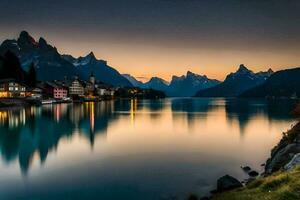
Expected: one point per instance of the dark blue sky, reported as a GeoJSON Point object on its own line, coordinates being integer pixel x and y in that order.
{"type": "Point", "coordinates": [148, 37]}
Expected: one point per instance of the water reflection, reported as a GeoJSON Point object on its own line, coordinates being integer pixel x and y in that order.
{"type": "Point", "coordinates": [37, 130]}
{"type": "Point", "coordinates": [32, 134]}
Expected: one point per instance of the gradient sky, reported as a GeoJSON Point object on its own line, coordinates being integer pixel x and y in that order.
{"type": "Point", "coordinates": [165, 37]}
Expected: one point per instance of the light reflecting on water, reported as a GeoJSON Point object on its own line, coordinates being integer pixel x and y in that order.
{"type": "Point", "coordinates": [134, 149]}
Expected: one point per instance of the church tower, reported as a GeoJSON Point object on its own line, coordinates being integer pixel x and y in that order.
{"type": "Point", "coordinates": [92, 78]}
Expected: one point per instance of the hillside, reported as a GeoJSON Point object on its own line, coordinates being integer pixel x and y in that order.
{"type": "Point", "coordinates": [284, 83]}
{"type": "Point", "coordinates": [236, 83]}
{"type": "Point", "coordinates": [51, 65]}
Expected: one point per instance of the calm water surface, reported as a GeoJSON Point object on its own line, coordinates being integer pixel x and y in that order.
{"type": "Point", "coordinates": [134, 149]}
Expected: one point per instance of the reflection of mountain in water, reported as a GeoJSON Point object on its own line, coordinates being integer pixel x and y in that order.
{"type": "Point", "coordinates": [35, 131]}
{"type": "Point", "coordinates": [30, 131]}
{"type": "Point", "coordinates": [243, 110]}
{"type": "Point", "coordinates": [191, 110]}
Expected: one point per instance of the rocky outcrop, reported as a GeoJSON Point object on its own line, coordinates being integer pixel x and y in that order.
{"type": "Point", "coordinates": [293, 163]}
{"type": "Point", "coordinates": [227, 183]}
{"type": "Point", "coordinates": [284, 152]}
{"type": "Point", "coordinates": [253, 173]}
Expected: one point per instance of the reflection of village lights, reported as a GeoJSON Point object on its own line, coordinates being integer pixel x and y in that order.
{"type": "Point", "coordinates": [133, 108]}
{"type": "Point", "coordinates": [57, 113]}
{"type": "Point", "coordinates": [92, 116]}
{"type": "Point", "coordinates": [3, 116]}
{"type": "Point", "coordinates": [35, 111]}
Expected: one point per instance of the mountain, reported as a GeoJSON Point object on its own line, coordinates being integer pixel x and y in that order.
{"type": "Point", "coordinates": [49, 63]}
{"type": "Point", "coordinates": [156, 83]}
{"type": "Point", "coordinates": [236, 83]}
{"type": "Point", "coordinates": [284, 83]}
{"type": "Point", "coordinates": [90, 64]}
{"type": "Point", "coordinates": [133, 80]}
{"type": "Point", "coordinates": [186, 86]}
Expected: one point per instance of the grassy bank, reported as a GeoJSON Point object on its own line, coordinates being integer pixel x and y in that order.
{"type": "Point", "coordinates": [278, 186]}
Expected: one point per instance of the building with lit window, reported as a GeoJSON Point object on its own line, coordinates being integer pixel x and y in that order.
{"type": "Point", "coordinates": [55, 91]}
{"type": "Point", "coordinates": [10, 88]}
{"type": "Point", "coordinates": [76, 88]}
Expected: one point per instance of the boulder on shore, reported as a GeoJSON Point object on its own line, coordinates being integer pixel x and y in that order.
{"type": "Point", "coordinates": [293, 163]}
{"type": "Point", "coordinates": [228, 183]}
{"type": "Point", "coordinates": [285, 150]}
{"type": "Point", "coordinates": [246, 168]}
{"type": "Point", "coordinates": [282, 157]}
{"type": "Point", "coordinates": [253, 173]}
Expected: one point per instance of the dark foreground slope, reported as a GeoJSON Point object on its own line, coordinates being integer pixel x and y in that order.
{"type": "Point", "coordinates": [284, 83]}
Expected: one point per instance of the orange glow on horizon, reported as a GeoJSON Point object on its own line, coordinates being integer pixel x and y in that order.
{"type": "Point", "coordinates": [164, 63]}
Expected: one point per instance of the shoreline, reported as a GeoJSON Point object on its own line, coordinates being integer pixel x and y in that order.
{"type": "Point", "coordinates": [284, 161]}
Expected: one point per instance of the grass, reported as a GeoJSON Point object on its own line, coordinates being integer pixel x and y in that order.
{"type": "Point", "coordinates": [279, 186]}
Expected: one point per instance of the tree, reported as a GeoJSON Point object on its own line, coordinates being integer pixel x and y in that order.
{"type": "Point", "coordinates": [31, 76]}
{"type": "Point", "coordinates": [11, 67]}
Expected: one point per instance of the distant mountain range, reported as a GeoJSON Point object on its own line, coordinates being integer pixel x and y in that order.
{"type": "Point", "coordinates": [236, 83]}
{"type": "Point", "coordinates": [50, 65]}
{"type": "Point", "coordinates": [284, 83]}
{"type": "Point", "coordinates": [188, 85]}
{"type": "Point", "coordinates": [184, 86]}
{"type": "Point", "coordinates": [133, 80]}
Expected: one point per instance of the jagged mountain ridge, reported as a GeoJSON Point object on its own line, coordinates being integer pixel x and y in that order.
{"type": "Point", "coordinates": [50, 65]}
{"type": "Point", "coordinates": [133, 80]}
{"type": "Point", "coordinates": [283, 83]}
{"type": "Point", "coordinates": [48, 62]}
{"type": "Point", "coordinates": [156, 84]}
{"type": "Point", "coordinates": [184, 86]}
{"type": "Point", "coordinates": [189, 84]}
{"type": "Point", "coordinates": [90, 64]}
{"type": "Point", "coordinates": [236, 83]}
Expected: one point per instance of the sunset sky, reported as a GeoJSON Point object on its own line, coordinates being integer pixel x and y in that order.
{"type": "Point", "coordinates": [162, 38]}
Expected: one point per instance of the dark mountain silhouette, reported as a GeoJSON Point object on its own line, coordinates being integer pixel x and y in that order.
{"type": "Point", "coordinates": [90, 64]}
{"type": "Point", "coordinates": [236, 83]}
{"type": "Point", "coordinates": [133, 80]}
{"type": "Point", "coordinates": [186, 86]}
{"type": "Point", "coordinates": [50, 65]}
{"type": "Point", "coordinates": [284, 83]}
{"type": "Point", "coordinates": [156, 83]}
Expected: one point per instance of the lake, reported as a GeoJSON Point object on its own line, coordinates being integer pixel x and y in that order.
{"type": "Point", "coordinates": [135, 149]}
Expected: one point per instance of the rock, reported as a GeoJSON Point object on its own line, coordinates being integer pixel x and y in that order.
{"type": "Point", "coordinates": [228, 183]}
{"type": "Point", "coordinates": [294, 162]}
{"type": "Point", "coordinates": [253, 173]}
{"type": "Point", "coordinates": [246, 168]}
{"type": "Point", "coordinates": [282, 157]}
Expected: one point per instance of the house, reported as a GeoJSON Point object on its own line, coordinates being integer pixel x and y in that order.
{"type": "Point", "coordinates": [11, 88]}
{"type": "Point", "coordinates": [55, 90]}
{"type": "Point", "coordinates": [104, 90]}
{"type": "Point", "coordinates": [76, 88]}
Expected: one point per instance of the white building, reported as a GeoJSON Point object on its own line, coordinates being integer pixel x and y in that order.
{"type": "Point", "coordinates": [76, 88]}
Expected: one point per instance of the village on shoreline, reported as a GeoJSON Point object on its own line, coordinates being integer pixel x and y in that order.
{"type": "Point", "coordinates": [14, 93]}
